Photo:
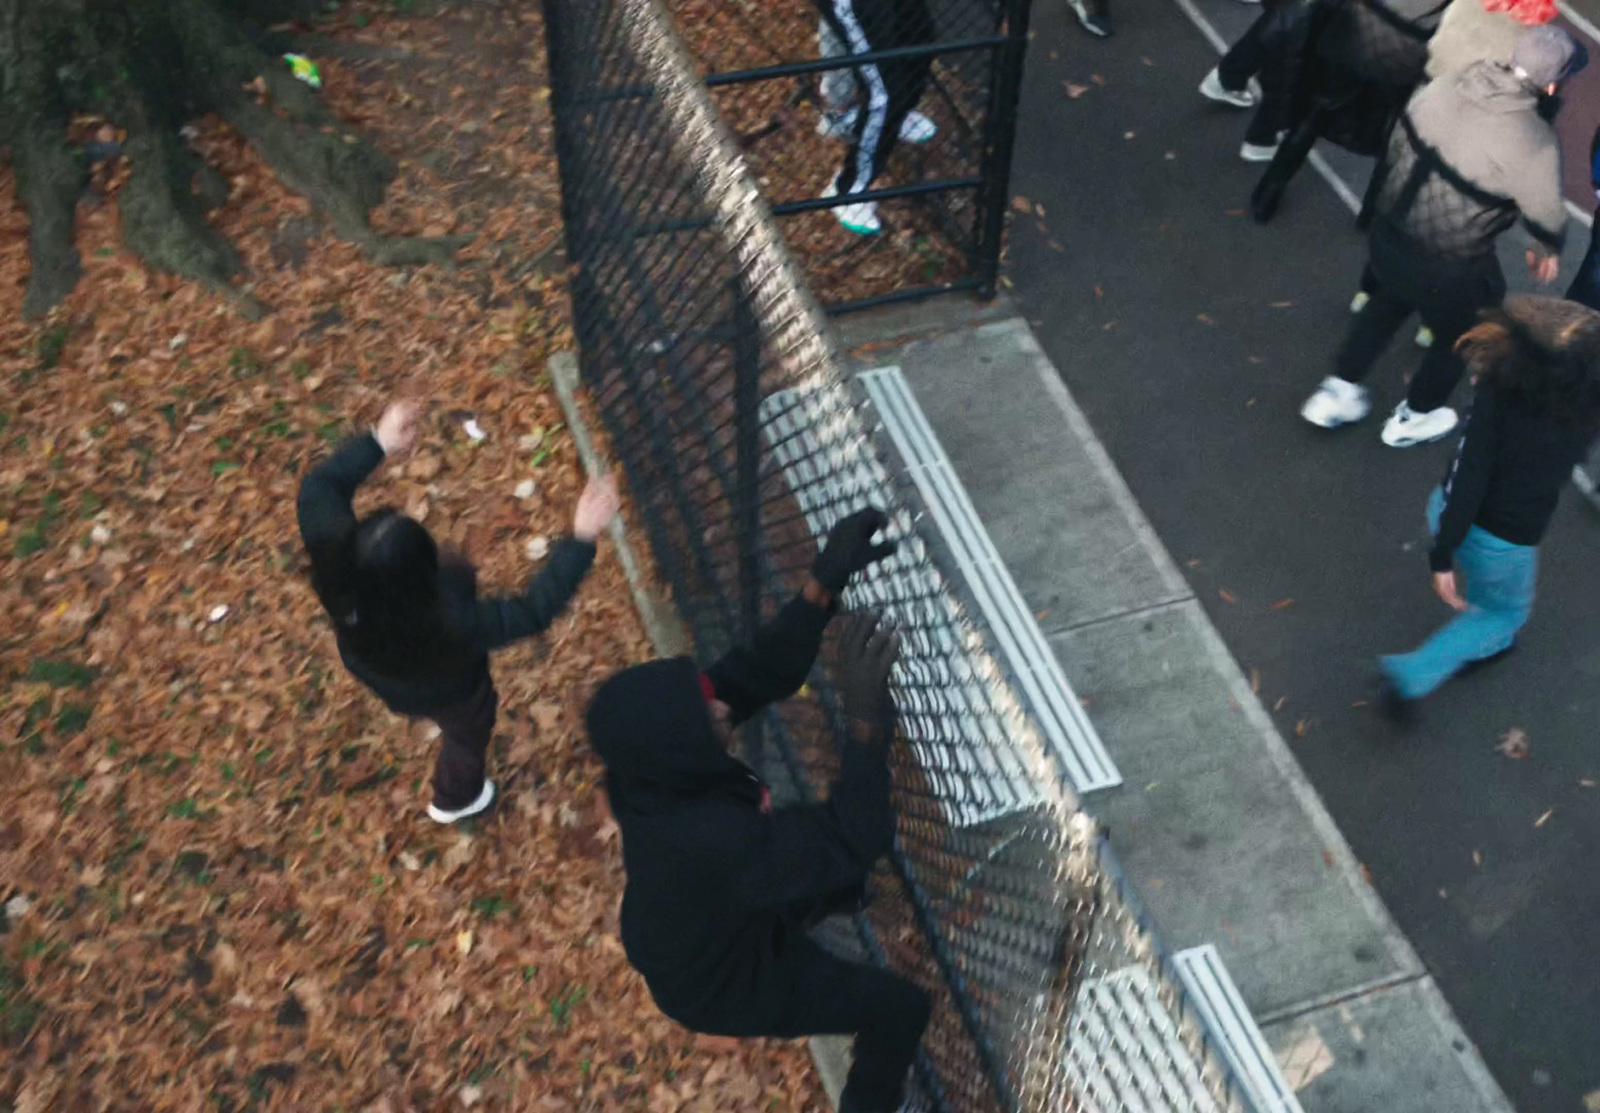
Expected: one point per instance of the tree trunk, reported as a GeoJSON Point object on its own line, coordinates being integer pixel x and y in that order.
{"type": "Point", "coordinates": [150, 66]}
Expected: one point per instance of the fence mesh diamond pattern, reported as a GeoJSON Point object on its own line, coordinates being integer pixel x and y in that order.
{"type": "Point", "coordinates": [715, 379]}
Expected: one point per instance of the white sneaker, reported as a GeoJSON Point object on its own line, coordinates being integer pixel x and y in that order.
{"type": "Point", "coordinates": [1212, 88]}
{"type": "Point", "coordinates": [1336, 403]}
{"type": "Point", "coordinates": [1406, 427]}
{"type": "Point", "coordinates": [1424, 337]}
{"type": "Point", "coordinates": [915, 128]}
{"type": "Point", "coordinates": [1359, 302]}
{"type": "Point", "coordinates": [477, 807]}
{"type": "Point", "coordinates": [1255, 152]}
{"type": "Point", "coordinates": [860, 218]}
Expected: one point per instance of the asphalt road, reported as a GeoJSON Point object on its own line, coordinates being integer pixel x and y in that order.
{"type": "Point", "coordinates": [1190, 336]}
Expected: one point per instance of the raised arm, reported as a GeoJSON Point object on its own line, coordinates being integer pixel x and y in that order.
{"type": "Point", "coordinates": [818, 849]}
{"type": "Point", "coordinates": [324, 504]}
{"type": "Point", "coordinates": [773, 667]}
{"type": "Point", "coordinates": [502, 620]}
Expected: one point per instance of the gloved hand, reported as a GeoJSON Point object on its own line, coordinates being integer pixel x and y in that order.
{"type": "Point", "coordinates": [849, 549]}
{"type": "Point", "coordinates": [866, 654]}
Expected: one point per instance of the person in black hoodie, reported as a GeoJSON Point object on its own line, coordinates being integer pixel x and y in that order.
{"type": "Point", "coordinates": [721, 886]}
{"type": "Point", "coordinates": [1536, 366]}
{"type": "Point", "coordinates": [409, 621]}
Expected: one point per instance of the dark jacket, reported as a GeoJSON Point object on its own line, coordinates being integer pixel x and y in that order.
{"type": "Point", "coordinates": [715, 881]}
{"type": "Point", "coordinates": [477, 625]}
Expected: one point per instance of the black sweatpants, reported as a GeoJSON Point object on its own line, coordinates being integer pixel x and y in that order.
{"type": "Point", "coordinates": [1245, 59]}
{"type": "Point", "coordinates": [1446, 293]}
{"type": "Point", "coordinates": [466, 728]}
{"type": "Point", "coordinates": [884, 1011]}
{"type": "Point", "coordinates": [891, 88]}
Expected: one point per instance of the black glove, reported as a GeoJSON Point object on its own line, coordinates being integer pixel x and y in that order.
{"type": "Point", "coordinates": [866, 654]}
{"type": "Point", "coordinates": [849, 549]}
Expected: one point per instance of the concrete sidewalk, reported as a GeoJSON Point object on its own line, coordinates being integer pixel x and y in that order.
{"type": "Point", "coordinates": [1223, 839]}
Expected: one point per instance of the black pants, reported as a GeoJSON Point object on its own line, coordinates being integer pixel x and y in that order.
{"type": "Point", "coordinates": [1585, 288]}
{"type": "Point", "coordinates": [1447, 295]}
{"type": "Point", "coordinates": [885, 1012]}
{"type": "Point", "coordinates": [891, 88]}
{"type": "Point", "coordinates": [1245, 60]}
{"type": "Point", "coordinates": [466, 728]}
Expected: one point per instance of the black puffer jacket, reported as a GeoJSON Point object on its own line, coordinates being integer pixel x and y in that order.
{"type": "Point", "coordinates": [716, 879]}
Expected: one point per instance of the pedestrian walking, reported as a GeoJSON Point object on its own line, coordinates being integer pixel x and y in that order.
{"type": "Point", "coordinates": [1360, 60]}
{"type": "Point", "coordinates": [1267, 51]}
{"type": "Point", "coordinates": [1585, 289]}
{"type": "Point", "coordinates": [1468, 157]}
{"type": "Point", "coordinates": [1482, 31]}
{"type": "Point", "coordinates": [1536, 365]}
{"type": "Point", "coordinates": [408, 618]}
{"type": "Point", "coordinates": [889, 90]}
{"type": "Point", "coordinates": [722, 886]}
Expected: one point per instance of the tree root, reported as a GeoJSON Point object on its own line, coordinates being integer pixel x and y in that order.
{"type": "Point", "coordinates": [208, 61]}
{"type": "Point", "coordinates": [50, 175]}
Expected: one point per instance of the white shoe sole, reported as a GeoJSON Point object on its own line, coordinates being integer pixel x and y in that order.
{"type": "Point", "coordinates": [1394, 440]}
{"type": "Point", "coordinates": [1213, 89]}
{"type": "Point", "coordinates": [1252, 153]}
{"type": "Point", "coordinates": [477, 807]}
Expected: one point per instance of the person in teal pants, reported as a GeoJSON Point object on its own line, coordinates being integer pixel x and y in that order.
{"type": "Point", "coordinates": [1536, 366]}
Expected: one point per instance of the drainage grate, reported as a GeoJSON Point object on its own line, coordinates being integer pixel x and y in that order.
{"type": "Point", "coordinates": [1128, 1054]}
{"type": "Point", "coordinates": [1017, 635]}
{"type": "Point", "coordinates": [1216, 999]}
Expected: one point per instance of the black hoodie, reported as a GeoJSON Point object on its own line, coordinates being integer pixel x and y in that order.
{"type": "Point", "coordinates": [713, 879]}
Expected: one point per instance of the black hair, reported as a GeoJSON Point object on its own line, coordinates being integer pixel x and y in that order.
{"type": "Point", "coordinates": [380, 584]}
{"type": "Point", "coordinates": [1561, 380]}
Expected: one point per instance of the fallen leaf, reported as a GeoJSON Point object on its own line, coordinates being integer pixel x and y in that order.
{"type": "Point", "coordinates": [1021, 204]}
{"type": "Point", "coordinates": [1545, 818]}
{"type": "Point", "coordinates": [1280, 304]}
{"type": "Point", "coordinates": [1204, 318]}
{"type": "Point", "coordinates": [1255, 681]}
{"type": "Point", "coordinates": [464, 941]}
{"type": "Point", "coordinates": [1585, 782]}
{"type": "Point", "coordinates": [1301, 727]}
{"type": "Point", "coordinates": [1097, 79]}
{"type": "Point", "coordinates": [1038, 209]}
{"type": "Point", "coordinates": [1477, 858]}
{"type": "Point", "coordinates": [1227, 596]}
{"type": "Point", "coordinates": [1282, 603]}
{"type": "Point", "coordinates": [1279, 705]}
{"type": "Point", "coordinates": [1074, 90]}
{"type": "Point", "coordinates": [1234, 212]}
{"type": "Point", "coordinates": [1514, 744]}
{"type": "Point", "coordinates": [1129, 134]}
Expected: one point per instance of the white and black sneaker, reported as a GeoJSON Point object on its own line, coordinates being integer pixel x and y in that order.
{"type": "Point", "coordinates": [1092, 14]}
{"type": "Point", "coordinates": [860, 217]}
{"type": "Point", "coordinates": [1406, 427]}
{"type": "Point", "coordinates": [1258, 152]}
{"type": "Point", "coordinates": [482, 804]}
{"type": "Point", "coordinates": [1337, 402]}
{"type": "Point", "coordinates": [1212, 88]}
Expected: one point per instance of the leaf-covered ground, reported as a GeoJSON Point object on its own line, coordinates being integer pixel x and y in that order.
{"type": "Point", "coordinates": [220, 889]}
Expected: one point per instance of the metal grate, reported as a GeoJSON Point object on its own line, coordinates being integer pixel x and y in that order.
{"type": "Point", "coordinates": [1022, 644]}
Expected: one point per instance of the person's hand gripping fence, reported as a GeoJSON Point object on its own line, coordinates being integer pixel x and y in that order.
{"type": "Point", "coordinates": [849, 549]}
{"type": "Point", "coordinates": [866, 657]}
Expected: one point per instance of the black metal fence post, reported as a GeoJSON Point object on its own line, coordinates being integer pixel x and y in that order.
{"type": "Point", "coordinates": [747, 484]}
{"type": "Point", "coordinates": [999, 143]}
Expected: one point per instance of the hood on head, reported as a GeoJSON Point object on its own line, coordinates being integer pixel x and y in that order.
{"type": "Point", "coordinates": [1494, 88]}
{"type": "Point", "coordinates": [651, 726]}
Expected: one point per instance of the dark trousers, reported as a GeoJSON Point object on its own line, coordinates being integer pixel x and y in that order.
{"type": "Point", "coordinates": [1585, 288]}
{"type": "Point", "coordinates": [465, 727]}
{"type": "Point", "coordinates": [1243, 61]}
{"type": "Point", "coordinates": [891, 88]}
{"type": "Point", "coordinates": [1447, 295]}
{"type": "Point", "coordinates": [885, 1012]}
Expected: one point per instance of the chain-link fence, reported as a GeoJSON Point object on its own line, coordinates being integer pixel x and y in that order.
{"type": "Point", "coordinates": [713, 373]}
{"type": "Point", "coordinates": [927, 214]}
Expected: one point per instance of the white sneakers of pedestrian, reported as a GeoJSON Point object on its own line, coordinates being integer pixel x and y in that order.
{"type": "Point", "coordinates": [1256, 152]}
{"type": "Point", "coordinates": [477, 807]}
{"type": "Point", "coordinates": [1407, 427]}
{"type": "Point", "coordinates": [1336, 403]}
{"type": "Point", "coordinates": [1359, 302]}
{"type": "Point", "coordinates": [860, 218]}
{"type": "Point", "coordinates": [915, 128]}
{"type": "Point", "coordinates": [1212, 88]}
{"type": "Point", "coordinates": [1424, 337]}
